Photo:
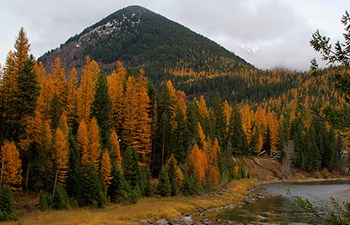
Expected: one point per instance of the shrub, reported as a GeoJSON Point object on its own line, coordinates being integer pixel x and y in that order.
{"type": "Point", "coordinates": [60, 199]}
{"type": "Point", "coordinates": [6, 204]}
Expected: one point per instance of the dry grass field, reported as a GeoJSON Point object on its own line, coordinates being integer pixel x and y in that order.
{"type": "Point", "coordinates": [155, 208]}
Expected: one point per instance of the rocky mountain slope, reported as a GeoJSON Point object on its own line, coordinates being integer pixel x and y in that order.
{"type": "Point", "coordinates": [142, 38]}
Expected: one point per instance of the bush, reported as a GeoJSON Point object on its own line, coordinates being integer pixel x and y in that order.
{"type": "Point", "coordinates": [6, 204]}
{"type": "Point", "coordinates": [45, 201]}
{"type": "Point", "coordinates": [60, 199]}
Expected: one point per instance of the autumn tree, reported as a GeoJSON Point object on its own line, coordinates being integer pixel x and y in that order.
{"type": "Point", "coordinates": [130, 114]}
{"type": "Point", "coordinates": [94, 142]}
{"type": "Point", "coordinates": [86, 90]}
{"type": "Point", "coordinates": [11, 166]}
{"type": "Point", "coordinates": [116, 94]}
{"type": "Point", "coordinates": [106, 169]}
{"type": "Point", "coordinates": [115, 149]}
{"type": "Point", "coordinates": [60, 157]}
{"type": "Point", "coordinates": [198, 163]}
{"type": "Point", "coordinates": [71, 106]}
{"type": "Point", "coordinates": [83, 143]}
{"type": "Point", "coordinates": [143, 128]}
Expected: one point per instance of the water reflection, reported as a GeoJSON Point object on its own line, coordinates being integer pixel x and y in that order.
{"type": "Point", "coordinates": [278, 208]}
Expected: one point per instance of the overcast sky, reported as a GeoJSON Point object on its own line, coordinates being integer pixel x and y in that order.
{"type": "Point", "coordinates": [266, 33]}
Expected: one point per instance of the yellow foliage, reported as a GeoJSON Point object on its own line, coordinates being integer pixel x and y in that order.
{"type": "Point", "coordinates": [61, 155]}
{"type": "Point", "coordinates": [11, 165]}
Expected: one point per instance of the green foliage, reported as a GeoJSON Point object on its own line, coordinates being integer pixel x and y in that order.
{"type": "Point", "coordinates": [164, 186]}
{"type": "Point", "coordinates": [172, 174]}
{"type": "Point", "coordinates": [339, 215]}
{"type": "Point", "coordinates": [92, 191]}
{"type": "Point", "coordinates": [191, 185]}
{"type": "Point", "coordinates": [335, 56]}
{"type": "Point", "coordinates": [119, 188]}
{"type": "Point", "coordinates": [6, 204]}
{"type": "Point", "coordinates": [74, 175]}
{"type": "Point", "coordinates": [45, 201]}
{"type": "Point", "coordinates": [101, 109]}
{"type": "Point", "coordinates": [236, 135]}
{"type": "Point", "coordinates": [22, 101]}
{"type": "Point", "coordinates": [132, 172]}
{"type": "Point", "coordinates": [60, 199]}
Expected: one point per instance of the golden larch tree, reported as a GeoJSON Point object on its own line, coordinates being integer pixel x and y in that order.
{"type": "Point", "coordinates": [202, 106]}
{"type": "Point", "coordinates": [106, 169]}
{"type": "Point", "coordinates": [71, 107]}
{"type": "Point", "coordinates": [61, 156]}
{"type": "Point", "coordinates": [115, 84]}
{"type": "Point", "coordinates": [46, 136]}
{"type": "Point", "coordinates": [59, 80]}
{"type": "Point", "coordinates": [143, 126]}
{"type": "Point", "coordinates": [11, 166]}
{"type": "Point", "coordinates": [273, 126]}
{"type": "Point", "coordinates": [33, 131]}
{"type": "Point", "coordinates": [130, 114]}
{"type": "Point", "coordinates": [246, 113]}
{"type": "Point", "coordinates": [45, 97]}
{"type": "Point", "coordinates": [213, 162]}
{"type": "Point", "coordinates": [83, 143]}
{"type": "Point", "coordinates": [198, 163]}
{"type": "Point", "coordinates": [86, 90]}
{"type": "Point", "coordinates": [94, 142]}
{"type": "Point", "coordinates": [115, 150]}
{"type": "Point", "coordinates": [203, 142]}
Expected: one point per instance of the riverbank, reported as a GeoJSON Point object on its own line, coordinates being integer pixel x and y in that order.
{"type": "Point", "coordinates": [146, 211]}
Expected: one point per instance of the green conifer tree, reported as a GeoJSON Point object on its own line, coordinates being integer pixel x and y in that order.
{"type": "Point", "coordinates": [164, 187]}
{"type": "Point", "coordinates": [101, 109]}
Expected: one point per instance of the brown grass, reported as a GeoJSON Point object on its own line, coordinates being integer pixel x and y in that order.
{"type": "Point", "coordinates": [155, 208]}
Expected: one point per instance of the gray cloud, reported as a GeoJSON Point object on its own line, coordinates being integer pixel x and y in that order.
{"type": "Point", "coordinates": [267, 33]}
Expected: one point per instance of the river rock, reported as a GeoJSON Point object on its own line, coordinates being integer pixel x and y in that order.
{"type": "Point", "coordinates": [187, 220]}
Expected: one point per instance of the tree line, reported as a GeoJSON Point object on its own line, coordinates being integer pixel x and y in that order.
{"type": "Point", "coordinates": [96, 137]}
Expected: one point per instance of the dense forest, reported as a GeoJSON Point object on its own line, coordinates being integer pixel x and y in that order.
{"type": "Point", "coordinates": [94, 137]}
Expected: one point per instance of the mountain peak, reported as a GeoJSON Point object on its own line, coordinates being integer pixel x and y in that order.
{"type": "Point", "coordinates": [140, 37]}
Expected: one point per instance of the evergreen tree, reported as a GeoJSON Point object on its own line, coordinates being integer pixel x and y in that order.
{"type": "Point", "coordinates": [6, 204]}
{"type": "Point", "coordinates": [119, 189]}
{"type": "Point", "coordinates": [171, 169]}
{"type": "Point", "coordinates": [23, 100]}
{"type": "Point", "coordinates": [101, 110]}
{"type": "Point", "coordinates": [92, 188]}
{"type": "Point", "coordinates": [236, 134]}
{"type": "Point", "coordinates": [132, 173]}
{"type": "Point", "coordinates": [164, 187]}
{"type": "Point", "coordinates": [74, 174]}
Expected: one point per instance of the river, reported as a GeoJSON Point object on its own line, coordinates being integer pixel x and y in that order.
{"type": "Point", "coordinates": [277, 207]}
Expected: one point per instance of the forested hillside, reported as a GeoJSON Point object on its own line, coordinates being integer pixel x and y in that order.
{"type": "Point", "coordinates": [95, 137]}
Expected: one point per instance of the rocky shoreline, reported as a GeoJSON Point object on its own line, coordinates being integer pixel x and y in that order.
{"type": "Point", "coordinates": [201, 216]}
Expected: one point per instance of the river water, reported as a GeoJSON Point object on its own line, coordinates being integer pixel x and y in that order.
{"type": "Point", "coordinates": [277, 207]}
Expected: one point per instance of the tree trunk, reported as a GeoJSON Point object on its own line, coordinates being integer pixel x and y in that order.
{"type": "Point", "coordinates": [54, 186]}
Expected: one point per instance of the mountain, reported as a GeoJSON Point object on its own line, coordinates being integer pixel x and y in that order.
{"type": "Point", "coordinates": [142, 38]}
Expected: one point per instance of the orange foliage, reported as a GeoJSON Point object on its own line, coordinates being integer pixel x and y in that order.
{"type": "Point", "coordinates": [202, 106]}
{"type": "Point", "coordinates": [61, 155]}
{"type": "Point", "coordinates": [83, 143]}
{"type": "Point", "coordinates": [115, 151]}
{"type": "Point", "coordinates": [106, 169]}
{"type": "Point", "coordinates": [86, 90]}
{"type": "Point", "coordinates": [11, 165]}
{"type": "Point", "coordinates": [198, 163]}
{"type": "Point", "coordinates": [94, 142]}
